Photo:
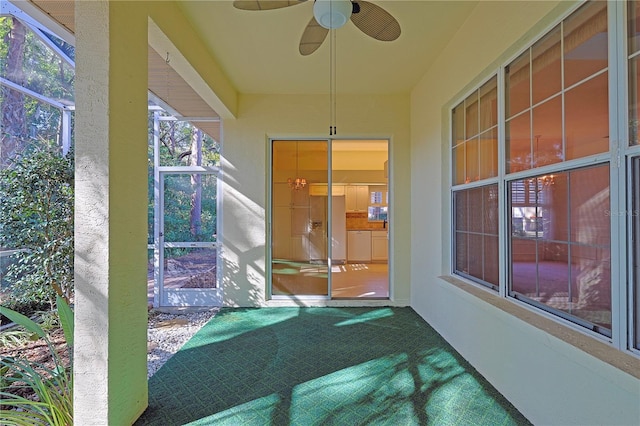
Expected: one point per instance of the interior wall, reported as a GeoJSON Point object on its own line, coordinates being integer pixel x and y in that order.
{"type": "Point", "coordinates": [246, 171]}
{"type": "Point", "coordinates": [550, 381]}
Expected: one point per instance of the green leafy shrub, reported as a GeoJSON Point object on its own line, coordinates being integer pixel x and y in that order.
{"type": "Point", "coordinates": [36, 215]}
{"type": "Point", "coordinates": [51, 386]}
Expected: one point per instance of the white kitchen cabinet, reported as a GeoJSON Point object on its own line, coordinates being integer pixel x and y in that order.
{"type": "Point", "coordinates": [358, 246]}
{"type": "Point", "coordinates": [357, 198]}
{"type": "Point", "coordinates": [320, 190]}
{"type": "Point", "coordinates": [379, 245]}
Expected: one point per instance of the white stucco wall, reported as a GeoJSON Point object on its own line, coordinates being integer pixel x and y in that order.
{"type": "Point", "coordinates": [550, 381]}
{"type": "Point", "coordinates": [246, 173]}
{"type": "Point", "coordinates": [110, 350]}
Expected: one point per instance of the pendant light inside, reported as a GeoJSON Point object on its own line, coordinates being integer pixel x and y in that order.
{"type": "Point", "coordinates": [332, 14]}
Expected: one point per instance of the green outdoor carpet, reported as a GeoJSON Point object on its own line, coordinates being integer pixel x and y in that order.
{"type": "Point", "coordinates": [322, 366]}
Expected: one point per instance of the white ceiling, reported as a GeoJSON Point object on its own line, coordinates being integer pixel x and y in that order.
{"type": "Point", "coordinates": [259, 49]}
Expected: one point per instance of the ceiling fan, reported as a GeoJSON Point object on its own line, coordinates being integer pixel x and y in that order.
{"type": "Point", "coordinates": [372, 20]}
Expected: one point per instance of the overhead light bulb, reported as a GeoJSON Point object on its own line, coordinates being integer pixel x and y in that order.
{"type": "Point", "coordinates": [332, 14]}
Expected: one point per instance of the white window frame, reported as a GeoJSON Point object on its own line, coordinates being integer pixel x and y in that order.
{"type": "Point", "coordinates": [619, 158]}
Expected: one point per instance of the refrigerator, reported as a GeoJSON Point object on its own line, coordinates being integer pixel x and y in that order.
{"type": "Point", "coordinates": [339, 231]}
{"type": "Point", "coordinates": [319, 229]}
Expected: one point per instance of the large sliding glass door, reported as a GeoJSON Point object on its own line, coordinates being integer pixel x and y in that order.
{"type": "Point", "coordinates": [329, 219]}
{"type": "Point", "coordinates": [360, 229]}
{"type": "Point", "coordinates": [299, 220]}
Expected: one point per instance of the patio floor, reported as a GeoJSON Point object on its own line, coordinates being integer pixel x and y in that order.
{"type": "Point", "coordinates": [322, 366]}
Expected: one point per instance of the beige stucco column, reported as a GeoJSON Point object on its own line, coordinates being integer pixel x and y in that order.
{"type": "Point", "coordinates": [110, 382]}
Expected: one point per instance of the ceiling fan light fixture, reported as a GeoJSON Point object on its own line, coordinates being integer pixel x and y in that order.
{"type": "Point", "coordinates": [332, 14]}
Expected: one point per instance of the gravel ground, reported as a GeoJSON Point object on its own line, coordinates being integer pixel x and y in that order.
{"type": "Point", "coordinates": [169, 330]}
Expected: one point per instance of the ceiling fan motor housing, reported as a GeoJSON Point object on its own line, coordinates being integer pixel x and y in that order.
{"type": "Point", "coordinates": [332, 14]}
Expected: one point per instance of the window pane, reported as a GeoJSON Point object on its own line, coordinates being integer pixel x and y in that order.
{"type": "Point", "coordinates": [587, 118]}
{"type": "Point", "coordinates": [472, 160]}
{"type": "Point", "coordinates": [634, 97]}
{"type": "Point", "coordinates": [635, 227]}
{"type": "Point", "coordinates": [591, 284]}
{"type": "Point", "coordinates": [462, 261]}
{"type": "Point", "coordinates": [585, 42]}
{"type": "Point", "coordinates": [489, 154]}
{"type": "Point", "coordinates": [458, 164]}
{"type": "Point", "coordinates": [517, 96]}
{"type": "Point", "coordinates": [547, 67]}
{"type": "Point", "coordinates": [490, 197]}
{"type": "Point", "coordinates": [474, 210]}
{"type": "Point", "coordinates": [518, 143]}
{"type": "Point", "coordinates": [633, 26]}
{"type": "Point", "coordinates": [553, 273]}
{"type": "Point", "coordinates": [555, 212]}
{"type": "Point", "coordinates": [476, 250]}
{"type": "Point", "coordinates": [489, 104]}
{"type": "Point", "coordinates": [458, 124]}
{"type": "Point", "coordinates": [299, 239]}
{"type": "Point", "coordinates": [471, 114]}
{"type": "Point", "coordinates": [634, 71]}
{"type": "Point", "coordinates": [524, 273]}
{"type": "Point", "coordinates": [547, 131]}
{"type": "Point", "coordinates": [461, 201]}
{"type": "Point", "coordinates": [491, 266]}
{"type": "Point", "coordinates": [567, 272]}
{"type": "Point", "coordinates": [589, 195]}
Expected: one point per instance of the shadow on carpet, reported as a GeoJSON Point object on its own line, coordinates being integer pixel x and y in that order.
{"type": "Point", "coordinates": [321, 366]}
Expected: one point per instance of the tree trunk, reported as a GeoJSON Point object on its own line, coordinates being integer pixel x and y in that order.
{"type": "Point", "coordinates": [196, 184]}
{"type": "Point", "coordinates": [14, 116]}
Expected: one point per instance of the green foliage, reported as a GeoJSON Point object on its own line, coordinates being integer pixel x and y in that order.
{"type": "Point", "coordinates": [36, 215]}
{"type": "Point", "coordinates": [52, 386]}
{"type": "Point", "coordinates": [9, 338]}
{"type": "Point", "coordinates": [177, 204]}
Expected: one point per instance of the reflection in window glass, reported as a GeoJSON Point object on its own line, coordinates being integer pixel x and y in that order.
{"type": "Point", "coordinates": [476, 234]}
{"type": "Point", "coordinates": [458, 164]}
{"type": "Point", "coordinates": [518, 90]}
{"type": "Point", "coordinates": [472, 161]}
{"type": "Point", "coordinates": [518, 141]}
{"type": "Point", "coordinates": [489, 105]}
{"type": "Point", "coordinates": [560, 256]}
{"type": "Point", "coordinates": [546, 66]}
{"type": "Point", "coordinates": [489, 154]}
{"type": "Point", "coordinates": [299, 222]}
{"type": "Point", "coordinates": [471, 114]}
{"type": "Point", "coordinates": [547, 131]}
{"type": "Point", "coordinates": [587, 118]}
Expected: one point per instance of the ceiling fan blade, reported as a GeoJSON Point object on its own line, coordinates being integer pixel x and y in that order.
{"type": "Point", "coordinates": [375, 22]}
{"type": "Point", "coordinates": [312, 37]}
{"type": "Point", "coordinates": [264, 4]}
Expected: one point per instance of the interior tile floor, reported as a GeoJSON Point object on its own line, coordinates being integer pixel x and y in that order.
{"type": "Point", "coordinates": [349, 280]}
